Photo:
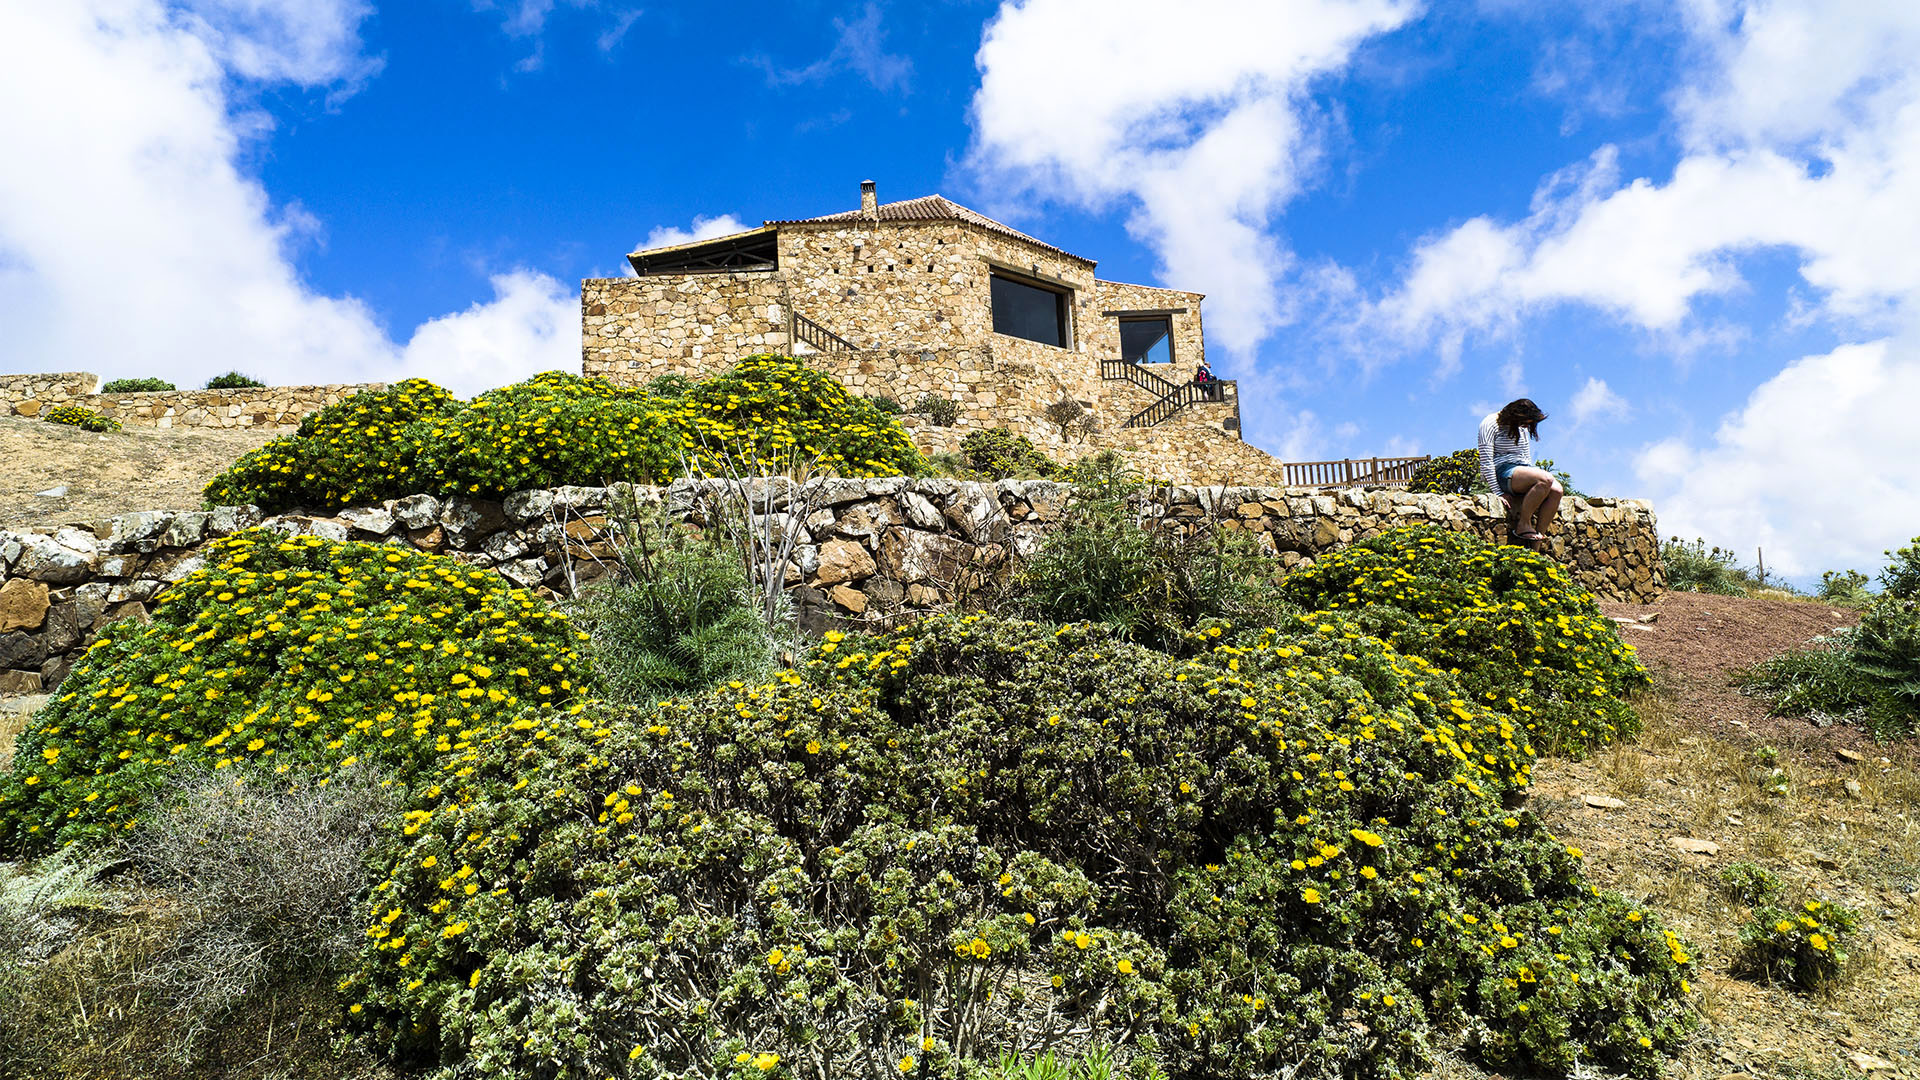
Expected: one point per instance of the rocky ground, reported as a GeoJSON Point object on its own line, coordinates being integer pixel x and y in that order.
{"type": "Point", "coordinates": [99, 475]}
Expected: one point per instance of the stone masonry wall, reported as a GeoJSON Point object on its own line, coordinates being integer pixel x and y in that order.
{"type": "Point", "coordinates": [31, 395]}
{"type": "Point", "coordinates": [264, 406]}
{"type": "Point", "coordinates": [867, 550]}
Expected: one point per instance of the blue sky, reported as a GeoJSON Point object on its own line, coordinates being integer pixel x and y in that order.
{"type": "Point", "coordinates": [1685, 228]}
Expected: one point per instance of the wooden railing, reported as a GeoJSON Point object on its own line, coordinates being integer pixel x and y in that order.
{"type": "Point", "coordinates": [1353, 472]}
{"type": "Point", "coordinates": [821, 338]}
{"type": "Point", "coordinates": [1170, 397]}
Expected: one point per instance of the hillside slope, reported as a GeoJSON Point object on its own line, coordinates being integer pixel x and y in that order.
{"type": "Point", "coordinates": [117, 472]}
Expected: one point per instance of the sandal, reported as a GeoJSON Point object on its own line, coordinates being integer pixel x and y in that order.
{"type": "Point", "coordinates": [1528, 536]}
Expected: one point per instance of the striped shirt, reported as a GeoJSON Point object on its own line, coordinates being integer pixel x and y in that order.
{"type": "Point", "coordinates": [1496, 448]}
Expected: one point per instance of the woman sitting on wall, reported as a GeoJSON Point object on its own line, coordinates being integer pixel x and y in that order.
{"type": "Point", "coordinates": [1532, 494]}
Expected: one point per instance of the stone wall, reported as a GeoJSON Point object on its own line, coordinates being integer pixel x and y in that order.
{"type": "Point", "coordinates": [32, 395]}
{"type": "Point", "coordinates": [263, 406]}
{"type": "Point", "coordinates": [867, 550]}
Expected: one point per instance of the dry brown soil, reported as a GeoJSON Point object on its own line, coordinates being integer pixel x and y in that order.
{"type": "Point", "coordinates": [109, 473]}
{"type": "Point", "coordinates": [1846, 831]}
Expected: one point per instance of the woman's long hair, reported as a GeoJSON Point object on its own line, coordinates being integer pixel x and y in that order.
{"type": "Point", "coordinates": [1517, 414]}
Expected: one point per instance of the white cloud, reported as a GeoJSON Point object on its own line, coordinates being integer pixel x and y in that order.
{"type": "Point", "coordinates": [860, 47]}
{"type": "Point", "coordinates": [531, 325]}
{"type": "Point", "coordinates": [527, 19]}
{"type": "Point", "coordinates": [1197, 123]}
{"type": "Point", "coordinates": [1800, 134]}
{"type": "Point", "coordinates": [298, 41]}
{"type": "Point", "coordinates": [132, 244]}
{"type": "Point", "coordinates": [703, 228]}
{"type": "Point", "coordinates": [1597, 401]}
{"type": "Point", "coordinates": [1816, 466]}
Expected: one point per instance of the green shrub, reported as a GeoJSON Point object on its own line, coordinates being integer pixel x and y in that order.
{"type": "Point", "coordinates": [130, 386]}
{"type": "Point", "coordinates": [1900, 578]}
{"type": "Point", "coordinates": [374, 445]}
{"type": "Point", "coordinates": [1510, 624]}
{"type": "Point", "coordinates": [233, 380]}
{"type": "Point", "coordinates": [942, 411]}
{"type": "Point", "coordinates": [1886, 650]}
{"type": "Point", "coordinates": [1801, 948]}
{"type": "Point", "coordinates": [1457, 473]}
{"type": "Point", "coordinates": [290, 653]}
{"type": "Point", "coordinates": [1696, 568]}
{"type": "Point", "coordinates": [997, 454]}
{"type": "Point", "coordinates": [1848, 587]}
{"type": "Point", "coordinates": [1823, 679]}
{"type": "Point", "coordinates": [884, 403]}
{"type": "Point", "coordinates": [81, 417]}
{"type": "Point", "coordinates": [767, 413]}
{"type": "Point", "coordinates": [1154, 584]}
{"type": "Point", "coordinates": [1749, 884]}
{"type": "Point", "coordinates": [677, 619]}
{"type": "Point", "coordinates": [1283, 851]}
{"type": "Point", "coordinates": [1097, 1065]}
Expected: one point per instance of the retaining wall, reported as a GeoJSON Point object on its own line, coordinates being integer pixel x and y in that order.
{"type": "Point", "coordinates": [866, 550]}
{"type": "Point", "coordinates": [262, 406]}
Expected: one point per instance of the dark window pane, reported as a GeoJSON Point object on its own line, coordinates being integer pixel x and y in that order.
{"type": "Point", "coordinates": [1021, 310]}
{"type": "Point", "coordinates": [1147, 341]}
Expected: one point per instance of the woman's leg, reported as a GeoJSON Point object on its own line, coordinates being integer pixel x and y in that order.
{"type": "Point", "coordinates": [1539, 493]}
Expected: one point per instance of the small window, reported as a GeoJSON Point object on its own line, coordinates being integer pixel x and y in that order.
{"type": "Point", "coordinates": [1147, 341]}
{"type": "Point", "coordinates": [1026, 310]}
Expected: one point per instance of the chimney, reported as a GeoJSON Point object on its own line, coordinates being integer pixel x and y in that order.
{"type": "Point", "coordinates": [869, 202]}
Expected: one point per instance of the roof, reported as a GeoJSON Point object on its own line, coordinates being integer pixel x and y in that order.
{"type": "Point", "coordinates": [932, 208]}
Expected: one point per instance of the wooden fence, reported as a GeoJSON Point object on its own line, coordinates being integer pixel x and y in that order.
{"type": "Point", "coordinates": [1353, 472]}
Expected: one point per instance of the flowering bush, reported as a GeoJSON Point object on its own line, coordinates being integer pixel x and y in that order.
{"type": "Point", "coordinates": [996, 454]}
{"type": "Point", "coordinates": [356, 451]}
{"type": "Point", "coordinates": [1800, 948]}
{"type": "Point", "coordinates": [1457, 473]}
{"type": "Point", "coordinates": [284, 652]}
{"type": "Point", "coordinates": [901, 856]}
{"type": "Point", "coordinates": [81, 417]}
{"type": "Point", "coordinates": [233, 380]}
{"type": "Point", "coordinates": [557, 429]}
{"type": "Point", "coordinates": [1511, 625]}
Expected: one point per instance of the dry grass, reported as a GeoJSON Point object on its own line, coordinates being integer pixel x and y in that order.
{"type": "Point", "coordinates": [1842, 831]}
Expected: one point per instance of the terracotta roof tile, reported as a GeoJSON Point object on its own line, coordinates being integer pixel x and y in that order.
{"type": "Point", "coordinates": [933, 208]}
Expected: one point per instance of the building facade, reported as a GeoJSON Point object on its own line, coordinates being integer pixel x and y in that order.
{"type": "Point", "coordinates": [926, 297]}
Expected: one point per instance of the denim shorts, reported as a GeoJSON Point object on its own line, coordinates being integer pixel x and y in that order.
{"type": "Point", "coordinates": [1503, 471]}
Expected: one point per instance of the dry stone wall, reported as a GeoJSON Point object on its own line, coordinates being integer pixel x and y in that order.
{"type": "Point", "coordinates": [262, 406]}
{"type": "Point", "coordinates": [866, 550]}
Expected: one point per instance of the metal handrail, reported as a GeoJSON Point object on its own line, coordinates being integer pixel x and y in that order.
{"type": "Point", "coordinates": [1172, 396]}
{"type": "Point", "coordinates": [812, 333]}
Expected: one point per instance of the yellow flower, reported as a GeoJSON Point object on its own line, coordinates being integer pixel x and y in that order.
{"type": "Point", "coordinates": [1311, 896]}
{"type": "Point", "coordinates": [1125, 967]}
{"type": "Point", "coordinates": [1818, 941]}
{"type": "Point", "coordinates": [907, 1063]}
{"type": "Point", "coordinates": [765, 1060]}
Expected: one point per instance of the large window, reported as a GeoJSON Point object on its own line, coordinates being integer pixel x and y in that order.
{"type": "Point", "coordinates": [1147, 341]}
{"type": "Point", "coordinates": [1027, 310]}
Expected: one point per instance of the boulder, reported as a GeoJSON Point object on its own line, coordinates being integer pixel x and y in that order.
{"type": "Point", "coordinates": [19, 682]}
{"type": "Point", "coordinates": [523, 506]}
{"type": "Point", "coordinates": [922, 513]}
{"type": "Point", "coordinates": [23, 605]}
{"type": "Point", "coordinates": [44, 559]}
{"type": "Point", "coordinates": [63, 630]}
{"type": "Point", "coordinates": [417, 511]}
{"type": "Point", "coordinates": [137, 532]}
{"type": "Point", "coordinates": [227, 520]}
{"type": "Point", "coordinates": [185, 530]}
{"type": "Point", "coordinates": [867, 520]}
{"type": "Point", "coordinates": [18, 650]}
{"type": "Point", "coordinates": [908, 556]}
{"type": "Point", "coordinates": [369, 519]}
{"type": "Point", "coordinates": [469, 521]}
{"type": "Point", "coordinates": [842, 560]}
{"type": "Point", "coordinates": [852, 599]}
{"type": "Point", "coordinates": [977, 514]}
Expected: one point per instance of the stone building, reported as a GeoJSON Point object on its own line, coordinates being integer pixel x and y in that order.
{"type": "Point", "coordinates": [927, 297]}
